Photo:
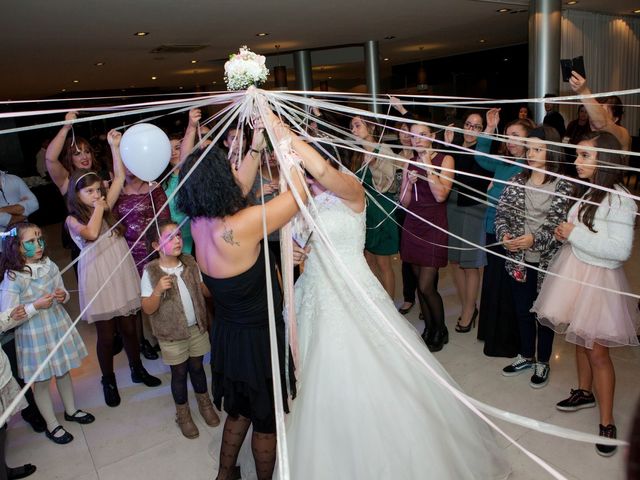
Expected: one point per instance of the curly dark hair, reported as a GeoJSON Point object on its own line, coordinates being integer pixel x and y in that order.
{"type": "Point", "coordinates": [12, 260]}
{"type": "Point", "coordinates": [211, 191]}
{"type": "Point", "coordinates": [153, 235]}
{"type": "Point", "coordinates": [79, 180]}
{"type": "Point", "coordinates": [603, 177]}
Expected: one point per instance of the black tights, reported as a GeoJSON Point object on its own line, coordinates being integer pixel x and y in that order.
{"type": "Point", "coordinates": [193, 367]}
{"type": "Point", "coordinates": [263, 446]}
{"type": "Point", "coordinates": [430, 300]}
{"type": "Point", "coordinates": [104, 348]}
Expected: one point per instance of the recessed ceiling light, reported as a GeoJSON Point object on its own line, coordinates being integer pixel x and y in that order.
{"type": "Point", "coordinates": [389, 37]}
{"type": "Point", "coordinates": [503, 10]}
{"type": "Point", "coordinates": [179, 88]}
{"type": "Point", "coordinates": [141, 34]}
{"type": "Point", "coordinates": [637, 10]}
{"type": "Point", "coordinates": [505, 59]}
{"type": "Point", "coordinates": [262, 34]}
{"type": "Point", "coordinates": [330, 78]}
{"type": "Point", "coordinates": [482, 40]}
{"type": "Point", "coordinates": [572, 2]}
{"type": "Point", "coordinates": [99, 64]}
{"type": "Point", "coordinates": [386, 59]}
{"type": "Point", "coordinates": [76, 81]}
{"type": "Point", "coordinates": [154, 78]}
{"type": "Point", "coordinates": [194, 61]}
{"type": "Point", "coordinates": [63, 90]}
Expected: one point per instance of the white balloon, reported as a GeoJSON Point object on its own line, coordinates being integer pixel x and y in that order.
{"type": "Point", "coordinates": [145, 150]}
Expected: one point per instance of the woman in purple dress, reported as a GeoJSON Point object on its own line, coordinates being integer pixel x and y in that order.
{"type": "Point", "coordinates": [424, 193]}
{"type": "Point", "coordinates": [135, 209]}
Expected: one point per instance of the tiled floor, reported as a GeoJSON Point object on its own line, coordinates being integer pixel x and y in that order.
{"type": "Point", "coordinates": [139, 440]}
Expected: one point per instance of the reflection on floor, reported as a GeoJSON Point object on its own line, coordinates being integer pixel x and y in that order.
{"type": "Point", "coordinates": [139, 439]}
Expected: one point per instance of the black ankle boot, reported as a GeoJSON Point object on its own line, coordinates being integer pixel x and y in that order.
{"type": "Point", "coordinates": [147, 350]}
{"type": "Point", "coordinates": [140, 375]}
{"type": "Point", "coordinates": [427, 334]}
{"type": "Point", "coordinates": [439, 339]}
{"type": "Point", "coordinates": [110, 389]}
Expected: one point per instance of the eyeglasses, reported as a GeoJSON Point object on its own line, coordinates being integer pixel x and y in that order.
{"type": "Point", "coordinates": [473, 126]}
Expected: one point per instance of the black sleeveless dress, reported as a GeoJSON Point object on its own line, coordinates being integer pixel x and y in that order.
{"type": "Point", "coordinates": [240, 351]}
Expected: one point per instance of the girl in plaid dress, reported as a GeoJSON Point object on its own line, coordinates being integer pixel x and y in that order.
{"type": "Point", "coordinates": [32, 279]}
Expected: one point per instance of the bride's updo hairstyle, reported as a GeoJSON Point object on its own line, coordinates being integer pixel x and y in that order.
{"type": "Point", "coordinates": [211, 191]}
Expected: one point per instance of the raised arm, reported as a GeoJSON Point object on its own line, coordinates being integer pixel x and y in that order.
{"type": "Point", "coordinates": [114, 137]}
{"type": "Point", "coordinates": [57, 172]}
{"type": "Point", "coordinates": [341, 184]}
{"type": "Point", "coordinates": [189, 139]}
{"type": "Point", "coordinates": [248, 170]}
{"type": "Point", "coordinates": [598, 115]}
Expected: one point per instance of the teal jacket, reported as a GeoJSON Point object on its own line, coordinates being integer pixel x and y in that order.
{"type": "Point", "coordinates": [501, 171]}
{"type": "Point", "coordinates": [177, 216]}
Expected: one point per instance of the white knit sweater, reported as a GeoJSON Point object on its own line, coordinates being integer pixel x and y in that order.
{"type": "Point", "coordinates": [610, 245]}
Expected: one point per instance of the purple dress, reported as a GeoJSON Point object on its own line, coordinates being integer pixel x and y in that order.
{"type": "Point", "coordinates": [142, 212]}
{"type": "Point", "coordinates": [423, 244]}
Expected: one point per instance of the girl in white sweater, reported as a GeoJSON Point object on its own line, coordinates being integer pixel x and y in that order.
{"type": "Point", "coordinates": [598, 239]}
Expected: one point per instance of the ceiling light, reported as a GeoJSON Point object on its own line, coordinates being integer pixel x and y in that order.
{"type": "Point", "coordinates": [482, 40]}
{"type": "Point", "coordinates": [99, 64]}
{"type": "Point", "coordinates": [154, 78]}
{"type": "Point", "coordinates": [141, 34]}
{"type": "Point", "coordinates": [179, 88]}
{"type": "Point", "coordinates": [386, 59]}
{"type": "Point", "coordinates": [505, 59]}
{"type": "Point", "coordinates": [63, 90]}
{"type": "Point", "coordinates": [262, 34]}
{"type": "Point", "coordinates": [503, 10]}
{"type": "Point", "coordinates": [194, 61]}
{"type": "Point", "coordinates": [389, 37]}
{"type": "Point", "coordinates": [572, 2]}
{"type": "Point", "coordinates": [76, 81]}
{"type": "Point", "coordinates": [330, 78]}
{"type": "Point", "coordinates": [637, 10]}
{"type": "Point", "coordinates": [214, 82]}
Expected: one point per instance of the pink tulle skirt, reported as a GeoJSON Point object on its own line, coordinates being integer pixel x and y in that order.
{"type": "Point", "coordinates": [587, 315]}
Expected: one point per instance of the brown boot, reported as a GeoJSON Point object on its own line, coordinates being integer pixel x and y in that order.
{"type": "Point", "coordinates": [185, 422]}
{"type": "Point", "coordinates": [206, 409]}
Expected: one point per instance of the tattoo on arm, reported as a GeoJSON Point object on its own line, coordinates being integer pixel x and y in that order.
{"type": "Point", "coordinates": [227, 236]}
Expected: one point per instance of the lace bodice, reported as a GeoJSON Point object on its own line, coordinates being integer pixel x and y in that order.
{"type": "Point", "coordinates": [344, 228]}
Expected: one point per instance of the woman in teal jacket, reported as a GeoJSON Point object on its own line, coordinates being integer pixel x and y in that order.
{"type": "Point", "coordinates": [497, 321]}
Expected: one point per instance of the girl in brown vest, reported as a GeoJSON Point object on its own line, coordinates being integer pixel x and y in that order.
{"type": "Point", "coordinates": [173, 297]}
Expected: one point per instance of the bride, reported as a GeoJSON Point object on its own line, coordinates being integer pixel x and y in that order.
{"type": "Point", "coordinates": [365, 408]}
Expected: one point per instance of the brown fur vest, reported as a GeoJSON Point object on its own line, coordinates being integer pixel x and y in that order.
{"type": "Point", "coordinates": [169, 322]}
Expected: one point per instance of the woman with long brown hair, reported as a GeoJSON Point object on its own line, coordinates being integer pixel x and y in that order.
{"type": "Point", "coordinates": [377, 173]}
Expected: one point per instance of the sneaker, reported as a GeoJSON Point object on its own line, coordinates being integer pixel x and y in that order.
{"type": "Point", "coordinates": [607, 432]}
{"type": "Point", "coordinates": [577, 400]}
{"type": "Point", "coordinates": [540, 376]}
{"type": "Point", "coordinates": [519, 365]}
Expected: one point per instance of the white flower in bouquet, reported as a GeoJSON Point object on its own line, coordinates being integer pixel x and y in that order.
{"type": "Point", "coordinates": [244, 69]}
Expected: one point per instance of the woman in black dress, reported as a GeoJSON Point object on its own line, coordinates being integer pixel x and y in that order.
{"type": "Point", "coordinates": [228, 235]}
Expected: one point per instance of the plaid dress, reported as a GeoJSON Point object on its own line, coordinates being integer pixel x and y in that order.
{"type": "Point", "coordinates": [37, 336]}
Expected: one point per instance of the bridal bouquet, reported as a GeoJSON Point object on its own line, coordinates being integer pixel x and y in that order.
{"type": "Point", "coordinates": [244, 69]}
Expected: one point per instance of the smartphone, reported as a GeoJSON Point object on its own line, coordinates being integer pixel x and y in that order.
{"type": "Point", "coordinates": [575, 65]}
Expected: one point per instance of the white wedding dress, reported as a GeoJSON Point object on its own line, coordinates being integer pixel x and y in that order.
{"type": "Point", "coordinates": [365, 409]}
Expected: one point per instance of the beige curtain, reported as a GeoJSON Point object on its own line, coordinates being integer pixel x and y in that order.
{"type": "Point", "coordinates": [611, 49]}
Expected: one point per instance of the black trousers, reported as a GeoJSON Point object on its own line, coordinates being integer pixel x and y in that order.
{"type": "Point", "coordinates": [524, 294]}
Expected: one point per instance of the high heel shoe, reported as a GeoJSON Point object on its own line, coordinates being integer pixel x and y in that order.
{"type": "Point", "coordinates": [406, 310]}
{"type": "Point", "coordinates": [467, 328]}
